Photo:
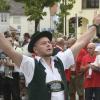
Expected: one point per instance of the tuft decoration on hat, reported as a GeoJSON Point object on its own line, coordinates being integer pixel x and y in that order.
{"type": "Point", "coordinates": [36, 36]}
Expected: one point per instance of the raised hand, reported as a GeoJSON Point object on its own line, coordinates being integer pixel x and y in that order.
{"type": "Point", "coordinates": [96, 19]}
{"type": "Point", "coordinates": [96, 22]}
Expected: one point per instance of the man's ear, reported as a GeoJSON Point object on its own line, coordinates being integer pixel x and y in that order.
{"type": "Point", "coordinates": [35, 49]}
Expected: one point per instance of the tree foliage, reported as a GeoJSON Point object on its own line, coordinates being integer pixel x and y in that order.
{"type": "Point", "coordinates": [4, 6]}
{"type": "Point", "coordinates": [19, 0]}
{"type": "Point", "coordinates": [34, 8]}
{"type": "Point", "coordinates": [65, 8]}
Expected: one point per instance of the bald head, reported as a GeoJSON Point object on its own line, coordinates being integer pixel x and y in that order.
{"type": "Point", "coordinates": [60, 42]}
{"type": "Point", "coordinates": [91, 48]}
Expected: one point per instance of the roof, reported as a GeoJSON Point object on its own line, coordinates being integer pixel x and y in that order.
{"type": "Point", "coordinates": [16, 8]}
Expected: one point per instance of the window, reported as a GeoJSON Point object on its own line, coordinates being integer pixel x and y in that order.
{"type": "Point", "coordinates": [90, 4]}
{"type": "Point", "coordinates": [3, 17]}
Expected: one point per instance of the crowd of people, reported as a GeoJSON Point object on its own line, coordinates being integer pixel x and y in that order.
{"type": "Point", "coordinates": [53, 68]}
{"type": "Point", "coordinates": [11, 78]}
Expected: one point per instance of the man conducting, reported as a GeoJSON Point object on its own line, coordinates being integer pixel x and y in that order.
{"type": "Point", "coordinates": [44, 74]}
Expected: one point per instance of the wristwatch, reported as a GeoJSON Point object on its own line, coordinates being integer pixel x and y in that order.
{"type": "Point", "coordinates": [97, 29]}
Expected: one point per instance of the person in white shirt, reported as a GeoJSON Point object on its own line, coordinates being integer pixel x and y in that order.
{"type": "Point", "coordinates": [25, 44]}
{"type": "Point", "coordinates": [44, 74]}
{"type": "Point", "coordinates": [97, 60]}
{"type": "Point", "coordinates": [96, 63]}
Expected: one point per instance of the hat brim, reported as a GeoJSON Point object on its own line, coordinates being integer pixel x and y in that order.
{"type": "Point", "coordinates": [36, 36]}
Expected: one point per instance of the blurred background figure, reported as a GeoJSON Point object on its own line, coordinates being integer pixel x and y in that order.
{"type": "Point", "coordinates": [25, 44]}
{"type": "Point", "coordinates": [11, 88]}
{"type": "Point", "coordinates": [59, 46]}
{"type": "Point", "coordinates": [91, 84]}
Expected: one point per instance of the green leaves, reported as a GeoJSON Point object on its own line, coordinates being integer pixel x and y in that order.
{"type": "Point", "coordinates": [4, 6]}
{"type": "Point", "coordinates": [34, 8]}
{"type": "Point", "coordinates": [65, 7]}
{"type": "Point", "coordinates": [34, 12]}
{"type": "Point", "coordinates": [64, 10]}
{"type": "Point", "coordinates": [19, 0]}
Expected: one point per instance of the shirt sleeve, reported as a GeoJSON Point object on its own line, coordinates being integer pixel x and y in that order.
{"type": "Point", "coordinates": [98, 60]}
{"type": "Point", "coordinates": [67, 58]}
{"type": "Point", "coordinates": [27, 67]}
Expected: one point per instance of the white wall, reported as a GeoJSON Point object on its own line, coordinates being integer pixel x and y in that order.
{"type": "Point", "coordinates": [22, 23]}
{"type": "Point", "coordinates": [85, 13]}
{"type": "Point", "coordinates": [4, 25]}
{"type": "Point", "coordinates": [45, 23]}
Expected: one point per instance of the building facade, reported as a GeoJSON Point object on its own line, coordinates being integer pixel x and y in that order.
{"type": "Point", "coordinates": [82, 13]}
{"type": "Point", "coordinates": [17, 21]}
{"type": "Point", "coordinates": [4, 21]}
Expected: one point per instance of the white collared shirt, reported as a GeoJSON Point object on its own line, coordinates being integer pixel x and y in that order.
{"type": "Point", "coordinates": [28, 66]}
{"type": "Point", "coordinates": [97, 61]}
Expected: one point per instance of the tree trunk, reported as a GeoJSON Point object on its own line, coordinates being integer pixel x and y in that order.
{"type": "Point", "coordinates": [37, 25]}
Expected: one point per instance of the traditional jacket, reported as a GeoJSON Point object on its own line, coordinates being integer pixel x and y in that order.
{"type": "Point", "coordinates": [37, 88]}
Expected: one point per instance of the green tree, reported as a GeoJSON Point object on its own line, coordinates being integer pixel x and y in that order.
{"type": "Point", "coordinates": [19, 0]}
{"type": "Point", "coordinates": [34, 9]}
{"type": "Point", "coordinates": [65, 8]}
{"type": "Point", "coordinates": [4, 6]}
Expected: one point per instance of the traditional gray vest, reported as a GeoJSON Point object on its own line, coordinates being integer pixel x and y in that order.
{"type": "Point", "coordinates": [37, 89]}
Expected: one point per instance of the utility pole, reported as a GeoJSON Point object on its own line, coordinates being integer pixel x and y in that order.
{"type": "Point", "coordinates": [65, 20]}
{"type": "Point", "coordinates": [76, 25]}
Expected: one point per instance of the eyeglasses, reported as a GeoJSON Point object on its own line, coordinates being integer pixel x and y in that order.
{"type": "Point", "coordinates": [90, 48]}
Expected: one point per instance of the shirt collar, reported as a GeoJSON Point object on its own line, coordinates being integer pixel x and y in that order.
{"type": "Point", "coordinates": [40, 58]}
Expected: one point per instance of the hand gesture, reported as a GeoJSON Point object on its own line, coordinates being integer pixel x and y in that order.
{"type": "Point", "coordinates": [96, 19]}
